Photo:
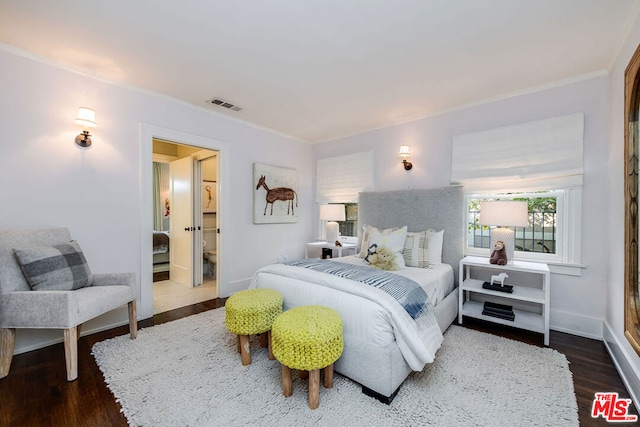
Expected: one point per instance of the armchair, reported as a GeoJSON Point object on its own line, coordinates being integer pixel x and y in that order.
{"type": "Point", "coordinates": [22, 307]}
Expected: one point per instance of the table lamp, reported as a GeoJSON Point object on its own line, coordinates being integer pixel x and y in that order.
{"type": "Point", "coordinates": [503, 214]}
{"type": "Point", "coordinates": [332, 213]}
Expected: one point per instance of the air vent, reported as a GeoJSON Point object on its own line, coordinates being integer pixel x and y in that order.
{"type": "Point", "coordinates": [225, 104]}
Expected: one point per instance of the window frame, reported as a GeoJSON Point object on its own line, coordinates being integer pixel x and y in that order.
{"type": "Point", "coordinates": [568, 227]}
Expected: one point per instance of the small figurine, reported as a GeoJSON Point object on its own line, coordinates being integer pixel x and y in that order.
{"type": "Point", "coordinates": [499, 278]}
{"type": "Point", "coordinates": [499, 254]}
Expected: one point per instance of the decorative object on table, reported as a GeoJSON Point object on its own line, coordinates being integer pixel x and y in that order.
{"type": "Point", "coordinates": [332, 213]}
{"type": "Point", "coordinates": [500, 286]}
{"type": "Point", "coordinates": [499, 254]}
{"type": "Point", "coordinates": [501, 311]}
{"type": "Point", "coordinates": [327, 253]}
{"type": "Point", "coordinates": [338, 243]}
{"type": "Point", "coordinates": [275, 199]}
{"type": "Point", "coordinates": [503, 214]}
{"type": "Point", "coordinates": [208, 196]}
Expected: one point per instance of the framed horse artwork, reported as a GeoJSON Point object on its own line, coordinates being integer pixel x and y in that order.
{"type": "Point", "coordinates": [275, 198]}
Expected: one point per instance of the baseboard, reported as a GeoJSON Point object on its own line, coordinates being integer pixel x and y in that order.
{"type": "Point", "coordinates": [622, 361]}
{"type": "Point", "coordinates": [235, 286]}
{"type": "Point", "coordinates": [575, 324]}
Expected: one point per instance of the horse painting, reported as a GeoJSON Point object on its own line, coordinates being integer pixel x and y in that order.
{"type": "Point", "coordinates": [279, 193]}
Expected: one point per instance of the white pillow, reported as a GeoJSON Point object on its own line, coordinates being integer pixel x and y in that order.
{"type": "Point", "coordinates": [416, 250]}
{"type": "Point", "coordinates": [393, 240]}
{"type": "Point", "coordinates": [366, 234]}
{"type": "Point", "coordinates": [436, 239]}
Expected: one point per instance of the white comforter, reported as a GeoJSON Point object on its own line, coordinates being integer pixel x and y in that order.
{"type": "Point", "coordinates": [418, 340]}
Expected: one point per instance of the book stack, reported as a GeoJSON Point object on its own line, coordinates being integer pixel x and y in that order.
{"type": "Point", "coordinates": [498, 310]}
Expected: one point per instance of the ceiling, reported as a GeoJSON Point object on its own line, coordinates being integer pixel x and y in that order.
{"type": "Point", "coordinates": [321, 69]}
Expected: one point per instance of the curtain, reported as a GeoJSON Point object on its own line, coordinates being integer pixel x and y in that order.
{"type": "Point", "coordinates": [340, 179]}
{"type": "Point", "coordinates": [540, 155]}
{"type": "Point", "coordinates": [158, 203]}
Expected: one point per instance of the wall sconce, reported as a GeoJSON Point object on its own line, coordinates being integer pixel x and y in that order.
{"type": "Point", "coordinates": [404, 153]}
{"type": "Point", "coordinates": [86, 118]}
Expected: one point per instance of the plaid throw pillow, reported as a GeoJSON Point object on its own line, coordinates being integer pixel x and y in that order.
{"type": "Point", "coordinates": [54, 268]}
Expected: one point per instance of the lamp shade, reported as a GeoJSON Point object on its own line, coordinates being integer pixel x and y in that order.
{"type": "Point", "coordinates": [404, 151]}
{"type": "Point", "coordinates": [86, 117]}
{"type": "Point", "coordinates": [506, 213]}
{"type": "Point", "coordinates": [332, 212]}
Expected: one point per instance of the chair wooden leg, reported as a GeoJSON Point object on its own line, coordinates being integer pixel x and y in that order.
{"type": "Point", "coordinates": [133, 320]}
{"type": "Point", "coordinates": [71, 352]}
{"type": "Point", "coordinates": [79, 327]}
{"type": "Point", "coordinates": [287, 389]}
{"type": "Point", "coordinates": [314, 389]}
{"type": "Point", "coordinates": [7, 344]}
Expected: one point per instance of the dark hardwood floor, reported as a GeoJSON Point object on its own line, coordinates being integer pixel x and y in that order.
{"type": "Point", "coordinates": [36, 392]}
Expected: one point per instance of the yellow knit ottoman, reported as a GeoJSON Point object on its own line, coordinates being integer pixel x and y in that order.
{"type": "Point", "coordinates": [308, 338]}
{"type": "Point", "coordinates": [251, 312]}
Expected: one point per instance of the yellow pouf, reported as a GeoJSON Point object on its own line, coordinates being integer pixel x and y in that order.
{"type": "Point", "coordinates": [251, 312]}
{"type": "Point", "coordinates": [308, 338]}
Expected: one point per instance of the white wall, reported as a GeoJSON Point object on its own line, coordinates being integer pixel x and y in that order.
{"type": "Point", "coordinates": [46, 180]}
{"type": "Point", "coordinates": [625, 357]}
{"type": "Point", "coordinates": [577, 303]}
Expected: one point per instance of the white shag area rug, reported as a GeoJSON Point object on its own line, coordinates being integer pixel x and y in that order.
{"type": "Point", "coordinates": [188, 373]}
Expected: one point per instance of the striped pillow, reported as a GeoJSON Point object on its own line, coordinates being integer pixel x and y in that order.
{"type": "Point", "coordinates": [416, 250]}
{"type": "Point", "coordinates": [54, 268]}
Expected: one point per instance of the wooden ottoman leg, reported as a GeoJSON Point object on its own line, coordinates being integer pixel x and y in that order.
{"type": "Point", "coordinates": [269, 345]}
{"type": "Point", "coordinates": [245, 351]}
{"type": "Point", "coordinates": [304, 375]}
{"type": "Point", "coordinates": [263, 340]}
{"type": "Point", "coordinates": [314, 389]}
{"type": "Point", "coordinates": [287, 390]}
{"type": "Point", "coordinates": [328, 376]}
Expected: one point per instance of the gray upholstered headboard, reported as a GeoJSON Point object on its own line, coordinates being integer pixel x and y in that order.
{"type": "Point", "coordinates": [431, 208]}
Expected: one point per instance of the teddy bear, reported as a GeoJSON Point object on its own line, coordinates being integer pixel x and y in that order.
{"type": "Point", "coordinates": [499, 254]}
{"type": "Point", "coordinates": [371, 253]}
{"type": "Point", "coordinates": [382, 258]}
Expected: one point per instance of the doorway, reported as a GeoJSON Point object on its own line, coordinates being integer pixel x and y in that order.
{"type": "Point", "coordinates": [185, 206]}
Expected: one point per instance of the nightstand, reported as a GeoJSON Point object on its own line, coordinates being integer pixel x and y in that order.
{"type": "Point", "coordinates": [316, 247]}
{"type": "Point", "coordinates": [530, 298]}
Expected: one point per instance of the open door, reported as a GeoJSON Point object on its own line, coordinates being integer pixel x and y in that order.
{"type": "Point", "coordinates": [182, 231]}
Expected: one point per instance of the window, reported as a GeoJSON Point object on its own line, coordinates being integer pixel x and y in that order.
{"type": "Point", "coordinates": [349, 227]}
{"type": "Point", "coordinates": [553, 234]}
{"type": "Point", "coordinates": [538, 161]}
{"type": "Point", "coordinates": [339, 180]}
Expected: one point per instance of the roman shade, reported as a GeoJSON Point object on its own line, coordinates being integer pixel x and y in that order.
{"type": "Point", "coordinates": [544, 154]}
{"type": "Point", "coordinates": [340, 179]}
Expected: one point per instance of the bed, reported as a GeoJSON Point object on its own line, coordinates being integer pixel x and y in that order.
{"type": "Point", "coordinates": [375, 336]}
{"type": "Point", "coordinates": [161, 247]}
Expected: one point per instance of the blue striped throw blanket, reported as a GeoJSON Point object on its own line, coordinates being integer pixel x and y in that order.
{"type": "Point", "coordinates": [407, 292]}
